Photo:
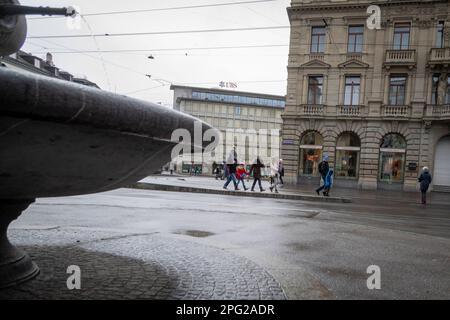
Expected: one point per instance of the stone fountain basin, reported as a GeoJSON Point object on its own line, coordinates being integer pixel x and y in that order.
{"type": "Point", "coordinates": [58, 138]}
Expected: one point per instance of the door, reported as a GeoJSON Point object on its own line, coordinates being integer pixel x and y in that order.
{"type": "Point", "coordinates": [442, 163]}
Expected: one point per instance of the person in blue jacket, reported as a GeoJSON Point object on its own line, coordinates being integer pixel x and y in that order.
{"type": "Point", "coordinates": [328, 183]}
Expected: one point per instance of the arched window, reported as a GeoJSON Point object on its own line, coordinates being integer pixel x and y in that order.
{"type": "Point", "coordinates": [392, 158]}
{"type": "Point", "coordinates": [348, 149]}
{"type": "Point", "coordinates": [311, 146]}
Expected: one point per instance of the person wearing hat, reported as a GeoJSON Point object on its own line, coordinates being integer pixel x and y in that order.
{"type": "Point", "coordinates": [425, 181]}
{"type": "Point", "coordinates": [324, 167]}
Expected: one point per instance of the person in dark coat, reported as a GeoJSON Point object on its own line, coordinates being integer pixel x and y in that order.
{"type": "Point", "coordinates": [324, 167]}
{"type": "Point", "coordinates": [256, 171]}
{"type": "Point", "coordinates": [281, 171]}
{"type": "Point", "coordinates": [232, 175]}
{"type": "Point", "coordinates": [425, 181]}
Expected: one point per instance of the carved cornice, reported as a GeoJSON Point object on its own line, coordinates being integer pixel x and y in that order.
{"type": "Point", "coordinates": [395, 7]}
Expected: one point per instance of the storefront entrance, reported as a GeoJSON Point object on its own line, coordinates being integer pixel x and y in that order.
{"type": "Point", "coordinates": [442, 165]}
{"type": "Point", "coordinates": [391, 173]}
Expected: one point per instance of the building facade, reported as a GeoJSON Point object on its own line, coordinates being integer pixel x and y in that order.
{"type": "Point", "coordinates": [375, 100]}
{"type": "Point", "coordinates": [250, 123]}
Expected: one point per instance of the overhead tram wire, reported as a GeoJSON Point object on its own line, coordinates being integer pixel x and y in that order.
{"type": "Point", "coordinates": [166, 9]}
{"type": "Point", "coordinates": [128, 34]}
{"type": "Point", "coordinates": [158, 80]}
{"type": "Point", "coordinates": [179, 49]}
{"type": "Point", "coordinates": [375, 75]}
{"type": "Point", "coordinates": [106, 35]}
{"type": "Point", "coordinates": [106, 61]}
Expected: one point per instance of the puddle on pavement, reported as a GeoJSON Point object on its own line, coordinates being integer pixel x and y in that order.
{"type": "Point", "coordinates": [195, 233]}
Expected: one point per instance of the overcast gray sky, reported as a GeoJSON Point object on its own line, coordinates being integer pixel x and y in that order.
{"type": "Point", "coordinates": [254, 69]}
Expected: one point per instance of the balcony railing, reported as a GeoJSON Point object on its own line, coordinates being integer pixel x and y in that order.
{"type": "Point", "coordinates": [317, 56]}
{"type": "Point", "coordinates": [440, 55]}
{"type": "Point", "coordinates": [349, 111]}
{"type": "Point", "coordinates": [438, 112]}
{"type": "Point", "coordinates": [400, 57]}
{"type": "Point", "coordinates": [396, 111]}
{"type": "Point", "coordinates": [312, 109]}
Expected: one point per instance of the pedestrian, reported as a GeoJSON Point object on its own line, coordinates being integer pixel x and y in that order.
{"type": "Point", "coordinates": [425, 181]}
{"type": "Point", "coordinates": [324, 167]}
{"type": "Point", "coordinates": [192, 172]}
{"type": "Point", "coordinates": [241, 173]}
{"type": "Point", "coordinates": [328, 183]}
{"type": "Point", "coordinates": [274, 174]}
{"type": "Point", "coordinates": [256, 171]}
{"type": "Point", "coordinates": [217, 173]}
{"type": "Point", "coordinates": [281, 171]}
{"type": "Point", "coordinates": [232, 175]}
{"type": "Point", "coordinates": [225, 170]}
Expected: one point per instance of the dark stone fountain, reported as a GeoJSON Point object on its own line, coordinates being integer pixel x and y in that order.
{"type": "Point", "coordinates": [58, 138]}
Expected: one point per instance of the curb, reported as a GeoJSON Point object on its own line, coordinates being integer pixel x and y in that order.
{"type": "Point", "coordinates": [163, 187]}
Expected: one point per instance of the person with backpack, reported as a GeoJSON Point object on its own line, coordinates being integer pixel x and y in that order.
{"type": "Point", "coordinates": [425, 181]}
{"type": "Point", "coordinates": [256, 171]}
{"type": "Point", "coordinates": [324, 167]}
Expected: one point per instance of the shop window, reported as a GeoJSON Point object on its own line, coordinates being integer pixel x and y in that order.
{"type": "Point", "coordinates": [392, 158]}
{"type": "Point", "coordinates": [311, 147]}
{"type": "Point", "coordinates": [348, 149]}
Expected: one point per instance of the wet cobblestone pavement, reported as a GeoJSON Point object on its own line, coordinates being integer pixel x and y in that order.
{"type": "Point", "coordinates": [148, 266]}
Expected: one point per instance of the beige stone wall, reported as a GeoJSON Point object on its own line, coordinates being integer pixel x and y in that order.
{"type": "Point", "coordinates": [373, 121]}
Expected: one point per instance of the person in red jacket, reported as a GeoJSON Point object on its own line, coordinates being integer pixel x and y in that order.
{"type": "Point", "coordinates": [241, 173]}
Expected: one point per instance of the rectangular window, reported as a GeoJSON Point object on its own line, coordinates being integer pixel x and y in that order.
{"type": "Point", "coordinates": [315, 90]}
{"type": "Point", "coordinates": [397, 90]}
{"type": "Point", "coordinates": [318, 39]}
{"type": "Point", "coordinates": [435, 89]}
{"type": "Point", "coordinates": [237, 111]}
{"type": "Point", "coordinates": [401, 36]}
{"type": "Point", "coordinates": [355, 39]}
{"type": "Point", "coordinates": [447, 95]}
{"type": "Point", "coordinates": [352, 90]}
{"type": "Point", "coordinates": [440, 35]}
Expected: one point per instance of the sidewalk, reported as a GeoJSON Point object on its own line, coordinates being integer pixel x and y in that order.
{"type": "Point", "coordinates": [202, 184]}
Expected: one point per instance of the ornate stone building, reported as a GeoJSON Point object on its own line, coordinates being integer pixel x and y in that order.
{"type": "Point", "coordinates": [376, 101]}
